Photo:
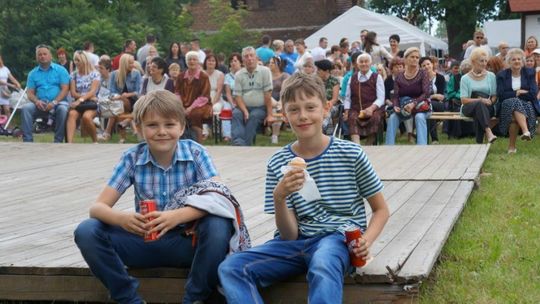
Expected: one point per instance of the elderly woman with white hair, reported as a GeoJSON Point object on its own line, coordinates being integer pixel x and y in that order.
{"type": "Point", "coordinates": [412, 88]}
{"type": "Point", "coordinates": [478, 95]}
{"type": "Point", "coordinates": [517, 89]}
{"type": "Point", "coordinates": [364, 101]}
{"type": "Point", "coordinates": [193, 87]}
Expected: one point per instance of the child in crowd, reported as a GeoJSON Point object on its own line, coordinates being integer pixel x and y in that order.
{"type": "Point", "coordinates": [158, 169]}
{"type": "Point", "coordinates": [310, 236]}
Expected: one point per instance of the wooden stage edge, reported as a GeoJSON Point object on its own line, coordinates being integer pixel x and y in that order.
{"type": "Point", "coordinates": [40, 262]}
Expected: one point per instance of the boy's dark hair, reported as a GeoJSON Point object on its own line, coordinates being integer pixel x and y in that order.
{"type": "Point", "coordinates": [161, 102]}
{"type": "Point", "coordinates": [300, 85]}
{"type": "Point", "coordinates": [150, 38]}
{"type": "Point", "coordinates": [161, 64]}
{"type": "Point", "coordinates": [266, 39]}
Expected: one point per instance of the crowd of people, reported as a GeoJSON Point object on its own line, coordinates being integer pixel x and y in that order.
{"type": "Point", "coordinates": [375, 89]}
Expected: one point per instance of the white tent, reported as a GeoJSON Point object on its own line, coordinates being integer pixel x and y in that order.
{"type": "Point", "coordinates": [350, 23]}
{"type": "Point", "coordinates": [503, 30]}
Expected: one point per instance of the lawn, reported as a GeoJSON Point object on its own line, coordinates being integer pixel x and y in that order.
{"type": "Point", "coordinates": [492, 255]}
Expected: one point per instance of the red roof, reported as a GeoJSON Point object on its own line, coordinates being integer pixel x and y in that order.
{"type": "Point", "coordinates": [523, 6]}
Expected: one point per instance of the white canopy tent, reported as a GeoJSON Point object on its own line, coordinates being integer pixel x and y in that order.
{"type": "Point", "coordinates": [350, 23]}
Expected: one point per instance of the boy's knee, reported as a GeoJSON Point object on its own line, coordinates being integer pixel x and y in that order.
{"type": "Point", "coordinates": [87, 231]}
{"type": "Point", "coordinates": [328, 268]}
{"type": "Point", "coordinates": [215, 227]}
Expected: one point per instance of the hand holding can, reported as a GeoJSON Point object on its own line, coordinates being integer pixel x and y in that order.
{"type": "Point", "coordinates": [145, 207]}
{"type": "Point", "coordinates": [353, 235]}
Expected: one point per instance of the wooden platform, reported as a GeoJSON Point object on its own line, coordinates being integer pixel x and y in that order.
{"type": "Point", "coordinates": [46, 190]}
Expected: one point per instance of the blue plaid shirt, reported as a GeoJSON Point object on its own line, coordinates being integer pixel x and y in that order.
{"type": "Point", "coordinates": [191, 163]}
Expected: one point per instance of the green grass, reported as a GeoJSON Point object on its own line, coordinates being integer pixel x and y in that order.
{"type": "Point", "coordinates": [493, 253]}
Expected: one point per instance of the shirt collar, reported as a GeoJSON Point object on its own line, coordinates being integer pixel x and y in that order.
{"type": "Point", "coordinates": [367, 75]}
{"type": "Point", "coordinates": [182, 153]}
{"type": "Point", "coordinates": [196, 76]}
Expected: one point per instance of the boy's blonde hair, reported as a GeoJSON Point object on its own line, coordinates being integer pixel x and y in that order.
{"type": "Point", "coordinates": [299, 85]}
{"type": "Point", "coordinates": [162, 103]}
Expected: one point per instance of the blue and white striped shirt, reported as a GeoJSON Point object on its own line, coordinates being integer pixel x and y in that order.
{"type": "Point", "coordinates": [191, 163]}
{"type": "Point", "coordinates": [344, 176]}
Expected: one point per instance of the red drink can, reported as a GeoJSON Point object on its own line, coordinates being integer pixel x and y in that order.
{"type": "Point", "coordinates": [145, 207]}
{"type": "Point", "coordinates": [353, 235]}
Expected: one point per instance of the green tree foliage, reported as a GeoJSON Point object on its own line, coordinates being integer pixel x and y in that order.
{"type": "Point", "coordinates": [231, 36]}
{"type": "Point", "coordinates": [461, 17]}
{"type": "Point", "coordinates": [69, 23]}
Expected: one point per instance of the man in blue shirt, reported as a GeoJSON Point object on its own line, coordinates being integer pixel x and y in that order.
{"type": "Point", "coordinates": [289, 56]}
{"type": "Point", "coordinates": [264, 52]}
{"type": "Point", "coordinates": [48, 85]}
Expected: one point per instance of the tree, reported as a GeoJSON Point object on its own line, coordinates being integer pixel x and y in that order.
{"type": "Point", "coordinates": [231, 35]}
{"type": "Point", "coordinates": [461, 17]}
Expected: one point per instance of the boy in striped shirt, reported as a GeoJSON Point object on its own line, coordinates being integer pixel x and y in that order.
{"type": "Point", "coordinates": [310, 235]}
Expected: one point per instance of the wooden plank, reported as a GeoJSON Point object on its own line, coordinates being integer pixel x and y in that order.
{"type": "Point", "coordinates": [415, 217]}
{"type": "Point", "coordinates": [89, 289]}
{"type": "Point", "coordinates": [421, 261]}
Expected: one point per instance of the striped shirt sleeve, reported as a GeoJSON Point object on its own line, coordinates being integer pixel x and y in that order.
{"type": "Point", "coordinates": [369, 183]}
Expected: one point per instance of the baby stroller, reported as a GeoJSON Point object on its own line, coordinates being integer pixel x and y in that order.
{"type": "Point", "coordinates": [4, 127]}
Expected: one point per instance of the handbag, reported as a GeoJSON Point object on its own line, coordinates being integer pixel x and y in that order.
{"type": "Point", "coordinates": [86, 105]}
{"type": "Point", "coordinates": [109, 108]}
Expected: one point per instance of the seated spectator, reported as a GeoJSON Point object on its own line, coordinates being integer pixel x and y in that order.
{"type": "Point", "coordinates": [438, 85]}
{"type": "Point", "coordinates": [478, 91]}
{"type": "Point", "coordinates": [517, 90]}
{"type": "Point", "coordinates": [319, 52]}
{"type": "Point", "coordinates": [175, 56]}
{"type": "Point", "coordinates": [85, 83]}
{"type": "Point", "coordinates": [531, 45]}
{"type": "Point", "coordinates": [193, 87]}
{"type": "Point", "coordinates": [331, 87]}
{"type": "Point", "coordinates": [396, 67]}
{"type": "Point", "coordinates": [303, 53]}
{"type": "Point", "coordinates": [63, 60]}
{"type": "Point", "coordinates": [364, 102]}
{"type": "Point", "coordinates": [335, 53]}
{"type": "Point", "coordinates": [530, 62]}
{"type": "Point", "coordinates": [48, 86]}
{"type": "Point", "coordinates": [125, 85]}
{"type": "Point", "coordinates": [276, 66]}
{"type": "Point", "coordinates": [152, 52]}
{"type": "Point", "coordinates": [217, 79]}
{"type": "Point", "coordinates": [394, 46]}
{"type": "Point", "coordinates": [308, 66]}
{"type": "Point", "coordinates": [265, 52]}
{"type": "Point", "coordinates": [174, 71]}
{"type": "Point", "coordinates": [278, 46]}
{"type": "Point", "coordinates": [289, 56]}
{"type": "Point", "coordinates": [453, 98]}
{"type": "Point", "coordinates": [5, 77]}
{"type": "Point", "coordinates": [158, 79]}
{"type": "Point", "coordinates": [411, 98]}
{"type": "Point", "coordinates": [235, 64]}
{"type": "Point", "coordinates": [253, 91]}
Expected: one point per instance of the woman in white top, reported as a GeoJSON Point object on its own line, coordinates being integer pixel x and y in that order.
{"type": "Point", "coordinates": [377, 52]}
{"type": "Point", "coordinates": [84, 86]}
{"type": "Point", "coordinates": [5, 75]}
{"type": "Point", "coordinates": [217, 79]}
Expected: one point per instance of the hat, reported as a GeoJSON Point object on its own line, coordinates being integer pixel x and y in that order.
{"type": "Point", "coordinates": [537, 51]}
{"type": "Point", "coordinates": [325, 65]}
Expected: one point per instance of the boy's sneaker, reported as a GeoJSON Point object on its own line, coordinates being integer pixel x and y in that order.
{"type": "Point", "coordinates": [274, 139]}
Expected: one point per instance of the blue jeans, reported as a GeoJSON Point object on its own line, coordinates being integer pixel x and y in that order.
{"type": "Point", "coordinates": [324, 258]}
{"type": "Point", "coordinates": [28, 114]}
{"type": "Point", "coordinates": [243, 133]}
{"type": "Point", "coordinates": [106, 249]}
{"type": "Point", "coordinates": [421, 128]}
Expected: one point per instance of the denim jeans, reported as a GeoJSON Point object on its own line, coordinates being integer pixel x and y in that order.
{"type": "Point", "coordinates": [243, 133]}
{"type": "Point", "coordinates": [28, 114]}
{"type": "Point", "coordinates": [324, 258]}
{"type": "Point", "coordinates": [421, 128]}
{"type": "Point", "coordinates": [108, 249]}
